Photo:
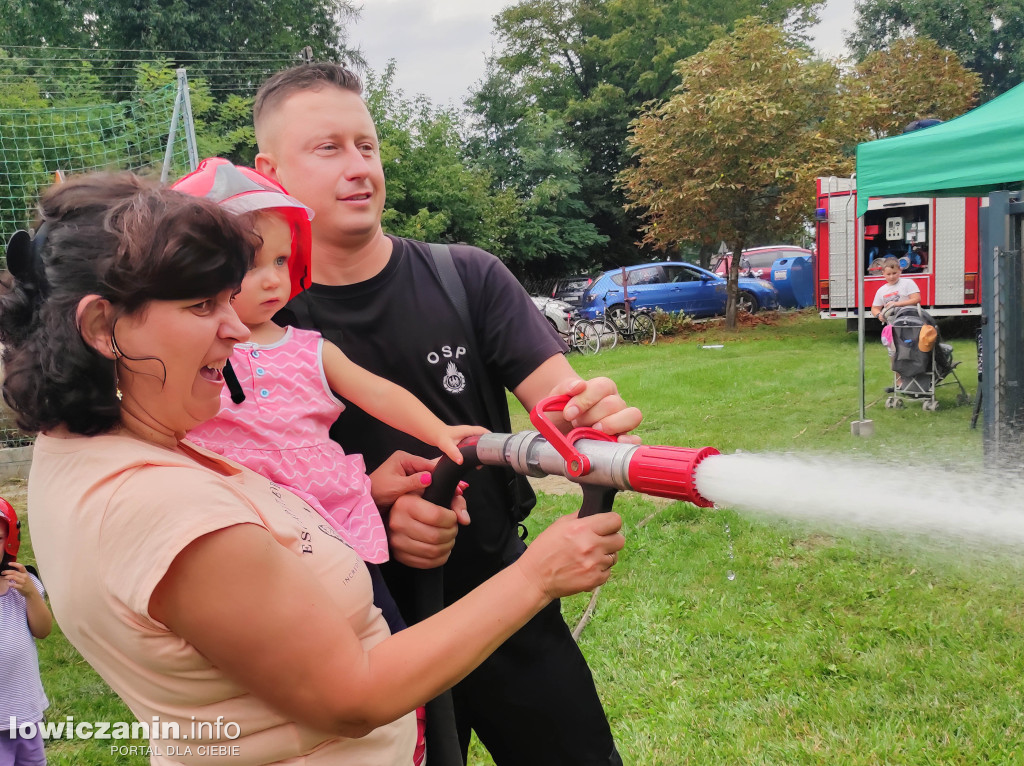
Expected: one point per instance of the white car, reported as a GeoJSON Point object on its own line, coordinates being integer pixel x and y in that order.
{"type": "Point", "coordinates": [559, 313]}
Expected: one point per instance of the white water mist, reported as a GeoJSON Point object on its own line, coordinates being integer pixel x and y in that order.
{"type": "Point", "coordinates": [911, 497]}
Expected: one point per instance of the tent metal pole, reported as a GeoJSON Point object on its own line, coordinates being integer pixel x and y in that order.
{"type": "Point", "coordinates": [859, 289]}
{"type": "Point", "coordinates": [993, 242]}
{"type": "Point", "coordinates": [863, 426]}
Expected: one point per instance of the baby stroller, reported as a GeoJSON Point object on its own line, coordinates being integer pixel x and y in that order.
{"type": "Point", "coordinates": [922, 361]}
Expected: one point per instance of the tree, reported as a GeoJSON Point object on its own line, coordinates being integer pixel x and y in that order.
{"type": "Point", "coordinates": [223, 127]}
{"type": "Point", "coordinates": [76, 128]}
{"type": "Point", "coordinates": [987, 35]}
{"type": "Point", "coordinates": [732, 154]}
{"type": "Point", "coordinates": [191, 33]}
{"type": "Point", "coordinates": [912, 79]}
{"type": "Point", "coordinates": [160, 25]}
{"type": "Point", "coordinates": [527, 150]}
{"type": "Point", "coordinates": [593, 64]}
{"type": "Point", "coordinates": [224, 25]}
{"type": "Point", "coordinates": [434, 193]}
{"type": "Point", "coordinates": [555, 235]}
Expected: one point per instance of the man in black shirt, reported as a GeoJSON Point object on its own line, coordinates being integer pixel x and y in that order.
{"type": "Point", "coordinates": [379, 298]}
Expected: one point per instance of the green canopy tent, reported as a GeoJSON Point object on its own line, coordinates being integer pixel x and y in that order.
{"type": "Point", "coordinates": [978, 152]}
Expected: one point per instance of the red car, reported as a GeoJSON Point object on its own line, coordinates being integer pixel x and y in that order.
{"type": "Point", "coordinates": [757, 261]}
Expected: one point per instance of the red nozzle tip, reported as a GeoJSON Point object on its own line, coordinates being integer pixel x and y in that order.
{"type": "Point", "coordinates": [669, 472]}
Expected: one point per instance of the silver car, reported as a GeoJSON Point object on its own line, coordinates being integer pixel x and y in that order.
{"type": "Point", "coordinates": [559, 313]}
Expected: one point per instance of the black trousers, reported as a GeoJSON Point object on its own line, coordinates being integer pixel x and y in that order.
{"type": "Point", "coordinates": [533, 701]}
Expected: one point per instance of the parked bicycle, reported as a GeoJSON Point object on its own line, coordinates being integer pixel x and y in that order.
{"type": "Point", "coordinates": [583, 336]}
{"type": "Point", "coordinates": [634, 325]}
{"type": "Point", "coordinates": [579, 334]}
{"type": "Point", "coordinates": [607, 329]}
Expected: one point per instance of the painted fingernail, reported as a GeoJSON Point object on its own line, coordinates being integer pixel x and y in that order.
{"type": "Point", "coordinates": [425, 479]}
{"type": "Point", "coordinates": [463, 484]}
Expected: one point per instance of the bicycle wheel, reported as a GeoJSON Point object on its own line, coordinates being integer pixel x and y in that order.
{"type": "Point", "coordinates": [616, 314]}
{"type": "Point", "coordinates": [586, 337]}
{"type": "Point", "coordinates": [609, 332]}
{"type": "Point", "coordinates": [641, 327]}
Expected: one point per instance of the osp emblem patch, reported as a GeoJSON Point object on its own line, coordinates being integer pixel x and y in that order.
{"type": "Point", "coordinates": [454, 381]}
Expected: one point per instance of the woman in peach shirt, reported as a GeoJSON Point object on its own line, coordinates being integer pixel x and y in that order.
{"type": "Point", "coordinates": [203, 593]}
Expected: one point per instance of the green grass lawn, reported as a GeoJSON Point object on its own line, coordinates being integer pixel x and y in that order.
{"type": "Point", "coordinates": [826, 647]}
{"type": "Point", "coordinates": [790, 386]}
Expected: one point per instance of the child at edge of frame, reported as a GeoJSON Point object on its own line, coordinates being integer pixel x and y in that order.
{"type": "Point", "coordinates": [24, 617]}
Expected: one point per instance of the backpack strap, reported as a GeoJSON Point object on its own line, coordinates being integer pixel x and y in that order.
{"type": "Point", "coordinates": [452, 283]}
{"type": "Point", "coordinates": [523, 495]}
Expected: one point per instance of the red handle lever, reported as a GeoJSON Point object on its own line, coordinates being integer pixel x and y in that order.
{"type": "Point", "coordinates": [576, 463]}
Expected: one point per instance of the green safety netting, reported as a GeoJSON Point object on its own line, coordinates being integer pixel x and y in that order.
{"type": "Point", "coordinates": [36, 143]}
{"type": "Point", "coordinates": [978, 152]}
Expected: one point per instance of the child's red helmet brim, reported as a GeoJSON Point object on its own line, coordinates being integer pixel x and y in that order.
{"type": "Point", "coordinates": [13, 542]}
{"type": "Point", "coordinates": [244, 190]}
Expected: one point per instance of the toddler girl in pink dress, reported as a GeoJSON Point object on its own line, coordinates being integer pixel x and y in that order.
{"type": "Point", "coordinates": [287, 376]}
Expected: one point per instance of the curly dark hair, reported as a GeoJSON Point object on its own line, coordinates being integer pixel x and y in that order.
{"type": "Point", "coordinates": [125, 239]}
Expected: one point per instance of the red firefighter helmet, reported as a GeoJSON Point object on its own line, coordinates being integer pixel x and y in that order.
{"type": "Point", "coordinates": [13, 541]}
{"type": "Point", "coordinates": [244, 190]}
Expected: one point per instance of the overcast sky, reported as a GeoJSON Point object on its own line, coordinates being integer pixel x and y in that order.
{"type": "Point", "coordinates": [440, 46]}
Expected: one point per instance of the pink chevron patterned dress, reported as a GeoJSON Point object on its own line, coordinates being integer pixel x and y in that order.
{"type": "Point", "coordinates": [281, 430]}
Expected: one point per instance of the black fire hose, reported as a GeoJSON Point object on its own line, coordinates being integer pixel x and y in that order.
{"type": "Point", "coordinates": [443, 747]}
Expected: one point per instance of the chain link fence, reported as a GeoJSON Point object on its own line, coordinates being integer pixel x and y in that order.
{"type": "Point", "coordinates": [44, 139]}
{"type": "Point", "coordinates": [36, 144]}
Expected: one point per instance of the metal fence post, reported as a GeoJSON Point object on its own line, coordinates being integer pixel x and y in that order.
{"type": "Point", "coordinates": [1002, 386]}
{"type": "Point", "coordinates": [183, 112]}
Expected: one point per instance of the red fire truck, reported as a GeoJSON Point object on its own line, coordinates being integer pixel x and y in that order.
{"type": "Point", "coordinates": [935, 240]}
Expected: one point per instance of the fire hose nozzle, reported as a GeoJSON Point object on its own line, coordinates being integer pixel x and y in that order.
{"type": "Point", "coordinates": [660, 471]}
{"type": "Point", "coordinates": [593, 457]}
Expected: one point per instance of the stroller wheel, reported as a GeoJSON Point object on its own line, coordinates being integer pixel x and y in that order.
{"type": "Point", "coordinates": [898, 403]}
{"type": "Point", "coordinates": [889, 402]}
{"type": "Point", "coordinates": [930, 406]}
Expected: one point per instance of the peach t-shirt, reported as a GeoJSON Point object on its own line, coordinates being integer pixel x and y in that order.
{"type": "Point", "coordinates": [108, 515]}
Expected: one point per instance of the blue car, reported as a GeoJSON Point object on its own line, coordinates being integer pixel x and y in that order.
{"type": "Point", "coordinates": [673, 287]}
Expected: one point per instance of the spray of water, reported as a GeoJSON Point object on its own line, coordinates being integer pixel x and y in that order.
{"type": "Point", "coordinates": [983, 508]}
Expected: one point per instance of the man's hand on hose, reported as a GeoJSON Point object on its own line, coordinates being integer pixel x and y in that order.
{"type": "Point", "coordinates": [596, 403]}
{"type": "Point", "coordinates": [422, 534]}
